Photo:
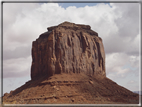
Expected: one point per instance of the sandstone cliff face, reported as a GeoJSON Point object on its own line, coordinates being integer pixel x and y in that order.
{"type": "Point", "coordinates": [68, 48]}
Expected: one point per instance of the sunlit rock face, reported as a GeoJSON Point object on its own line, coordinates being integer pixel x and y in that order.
{"type": "Point", "coordinates": [68, 48]}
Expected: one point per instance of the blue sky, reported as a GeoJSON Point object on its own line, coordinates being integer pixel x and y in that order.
{"type": "Point", "coordinates": [65, 5]}
{"type": "Point", "coordinates": [116, 23]}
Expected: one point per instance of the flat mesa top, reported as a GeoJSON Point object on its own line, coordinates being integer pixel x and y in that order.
{"type": "Point", "coordinates": [69, 25]}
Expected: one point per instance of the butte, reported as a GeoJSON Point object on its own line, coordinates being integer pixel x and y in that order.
{"type": "Point", "coordinates": [68, 67]}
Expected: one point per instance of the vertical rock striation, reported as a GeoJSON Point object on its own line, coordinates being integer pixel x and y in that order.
{"type": "Point", "coordinates": [68, 48]}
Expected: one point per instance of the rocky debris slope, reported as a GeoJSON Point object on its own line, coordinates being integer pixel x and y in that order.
{"type": "Point", "coordinates": [71, 89]}
{"type": "Point", "coordinates": [66, 48]}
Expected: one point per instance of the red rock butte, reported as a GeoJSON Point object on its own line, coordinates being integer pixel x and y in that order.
{"type": "Point", "coordinates": [68, 48]}
{"type": "Point", "coordinates": [68, 67]}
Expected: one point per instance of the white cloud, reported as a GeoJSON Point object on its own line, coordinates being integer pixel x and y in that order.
{"type": "Point", "coordinates": [121, 63]}
{"type": "Point", "coordinates": [117, 25]}
{"type": "Point", "coordinates": [16, 67]}
{"type": "Point", "coordinates": [132, 82]}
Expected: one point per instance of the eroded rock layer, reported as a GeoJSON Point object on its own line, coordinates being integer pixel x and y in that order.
{"type": "Point", "coordinates": [71, 89]}
{"type": "Point", "coordinates": [68, 48]}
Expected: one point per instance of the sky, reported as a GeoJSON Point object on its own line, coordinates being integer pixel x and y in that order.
{"type": "Point", "coordinates": [118, 24]}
